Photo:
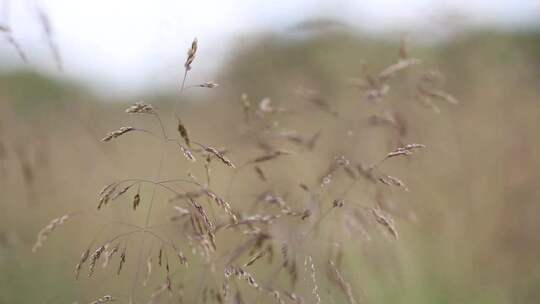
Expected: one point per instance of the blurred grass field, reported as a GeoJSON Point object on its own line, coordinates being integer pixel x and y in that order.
{"type": "Point", "coordinates": [468, 228]}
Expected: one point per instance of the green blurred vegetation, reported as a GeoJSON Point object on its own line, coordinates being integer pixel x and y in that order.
{"type": "Point", "coordinates": [29, 91]}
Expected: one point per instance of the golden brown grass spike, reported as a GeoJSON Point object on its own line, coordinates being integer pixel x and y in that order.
{"type": "Point", "coordinates": [315, 291]}
{"type": "Point", "coordinates": [106, 194]}
{"type": "Point", "coordinates": [223, 204]}
{"type": "Point", "coordinates": [393, 181]}
{"type": "Point", "coordinates": [122, 261]}
{"type": "Point", "coordinates": [208, 223]}
{"type": "Point", "coordinates": [183, 132]}
{"type": "Point", "coordinates": [109, 255]}
{"type": "Point", "coordinates": [187, 153]}
{"type": "Point", "coordinates": [220, 156]}
{"type": "Point", "coordinates": [191, 54]}
{"type": "Point", "coordinates": [344, 285]}
{"type": "Point", "coordinates": [385, 221]}
{"type": "Point", "coordinates": [136, 200]}
{"type": "Point", "coordinates": [84, 258]}
{"type": "Point", "coordinates": [94, 258]}
{"type": "Point", "coordinates": [140, 108]}
{"type": "Point", "coordinates": [254, 258]}
{"type": "Point", "coordinates": [122, 191]}
{"type": "Point", "coordinates": [405, 150]}
{"type": "Point", "coordinates": [117, 133]}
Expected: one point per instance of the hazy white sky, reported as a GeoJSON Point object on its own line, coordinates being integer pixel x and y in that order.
{"type": "Point", "coordinates": [122, 45]}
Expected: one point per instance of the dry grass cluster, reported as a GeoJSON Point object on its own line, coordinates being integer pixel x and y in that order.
{"type": "Point", "coordinates": [373, 188]}
{"type": "Point", "coordinates": [230, 240]}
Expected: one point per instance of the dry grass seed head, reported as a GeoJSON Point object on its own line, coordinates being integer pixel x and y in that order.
{"type": "Point", "coordinates": [405, 150]}
{"type": "Point", "coordinates": [315, 291]}
{"type": "Point", "coordinates": [187, 153]}
{"type": "Point", "coordinates": [384, 220]}
{"type": "Point", "coordinates": [136, 200]}
{"type": "Point", "coordinates": [117, 133]}
{"type": "Point", "coordinates": [393, 181]}
{"type": "Point", "coordinates": [109, 254]}
{"type": "Point", "coordinates": [106, 194]}
{"type": "Point", "coordinates": [220, 156]}
{"type": "Point", "coordinates": [342, 283]}
{"type": "Point", "coordinates": [140, 108]}
{"type": "Point", "coordinates": [122, 191]}
{"type": "Point", "coordinates": [338, 203]}
{"type": "Point", "coordinates": [95, 257]}
{"type": "Point", "coordinates": [208, 85]}
{"type": "Point", "coordinates": [148, 270]}
{"type": "Point", "coordinates": [84, 258]}
{"type": "Point", "coordinates": [192, 51]}
{"type": "Point", "coordinates": [242, 275]}
{"type": "Point", "coordinates": [183, 132]}
{"type": "Point", "coordinates": [47, 230]}
{"type": "Point", "coordinates": [208, 223]}
{"type": "Point", "coordinates": [104, 299]}
{"type": "Point", "coordinates": [223, 204]}
{"type": "Point", "coordinates": [122, 261]}
{"type": "Point", "coordinates": [254, 258]}
{"type": "Point", "coordinates": [402, 64]}
{"type": "Point", "coordinates": [181, 257]}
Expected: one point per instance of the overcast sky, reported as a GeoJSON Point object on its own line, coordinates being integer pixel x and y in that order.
{"type": "Point", "coordinates": [122, 45]}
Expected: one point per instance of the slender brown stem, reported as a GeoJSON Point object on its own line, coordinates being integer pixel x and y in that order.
{"type": "Point", "coordinates": [146, 224]}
